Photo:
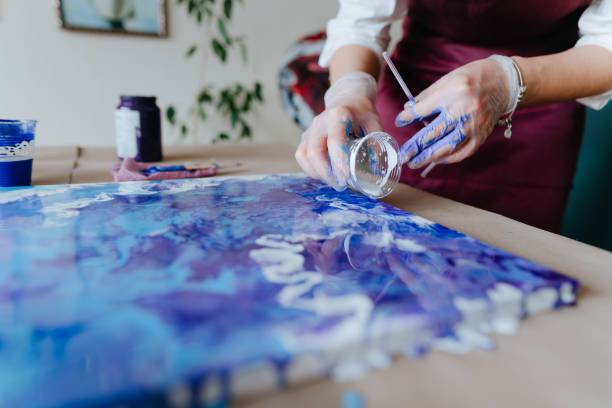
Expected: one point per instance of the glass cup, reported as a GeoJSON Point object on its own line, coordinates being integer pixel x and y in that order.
{"type": "Point", "coordinates": [16, 152]}
{"type": "Point", "coordinates": [374, 164]}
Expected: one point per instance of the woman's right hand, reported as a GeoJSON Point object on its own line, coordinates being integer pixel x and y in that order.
{"type": "Point", "coordinates": [349, 112]}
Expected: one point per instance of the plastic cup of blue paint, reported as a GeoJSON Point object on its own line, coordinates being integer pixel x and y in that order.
{"type": "Point", "coordinates": [16, 152]}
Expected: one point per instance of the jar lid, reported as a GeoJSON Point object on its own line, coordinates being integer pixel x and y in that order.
{"type": "Point", "coordinates": [138, 99]}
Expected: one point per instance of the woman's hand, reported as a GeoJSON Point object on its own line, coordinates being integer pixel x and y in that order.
{"type": "Point", "coordinates": [349, 112]}
{"type": "Point", "coordinates": [464, 107]}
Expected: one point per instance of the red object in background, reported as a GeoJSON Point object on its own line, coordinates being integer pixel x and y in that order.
{"type": "Point", "coordinates": [302, 81]}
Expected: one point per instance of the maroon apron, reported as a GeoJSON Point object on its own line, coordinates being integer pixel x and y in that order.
{"type": "Point", "coordinates": [528, 177]}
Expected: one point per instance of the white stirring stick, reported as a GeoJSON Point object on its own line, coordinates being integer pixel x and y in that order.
{"type": "Point", "coordinates": [425, 172]}
{"type": "Point", "coordinates": [404, 87]}
{"type": "Point", "coordinates": [398, 77]}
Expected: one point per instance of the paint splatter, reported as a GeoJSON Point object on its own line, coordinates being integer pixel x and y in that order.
{"type": "Point", "coordinates": [350, 131]}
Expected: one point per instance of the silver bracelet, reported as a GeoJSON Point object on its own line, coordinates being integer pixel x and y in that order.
{"type": "Point", "coordinates": [507, 121]}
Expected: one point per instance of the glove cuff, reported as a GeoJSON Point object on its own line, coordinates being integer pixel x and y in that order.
{"type": "Point", "coordinates": [516, 87]}
{"type": "Point", "coordinates": [350, 85]}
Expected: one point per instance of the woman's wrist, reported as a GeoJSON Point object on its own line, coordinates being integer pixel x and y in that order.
{"type": "Point", "coordinates": [529, 70]}
{"type": "Point", "coordinates": [511, 74]}
{"type": "Point", "coordinates": [351, 58]}
{"type": "Point", "coordinates": [575, 73]}
{"type": "Point", "coordinates": [514, 81]}
{"type": "Point", "coordinates": [349, 86]}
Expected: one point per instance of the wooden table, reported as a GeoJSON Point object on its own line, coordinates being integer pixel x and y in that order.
{"type": "Point", "coordinates": [557, 359]}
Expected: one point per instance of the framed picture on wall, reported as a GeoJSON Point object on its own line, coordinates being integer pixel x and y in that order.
{"type": "Point", "coordinates": [139, 17]}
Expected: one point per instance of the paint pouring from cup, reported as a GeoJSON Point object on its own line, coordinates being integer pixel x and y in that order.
{"type": "Point", "coordinates": [16, 152]}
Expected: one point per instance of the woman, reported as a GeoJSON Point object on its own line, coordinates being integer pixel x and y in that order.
{"type": "Point", "coordinates": [470, 97]}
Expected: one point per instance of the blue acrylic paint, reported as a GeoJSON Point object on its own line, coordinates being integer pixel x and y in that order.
{"type": "Point", "coordinates": [350, 132]}
{"type": "Point", "coordinates": [349, 128]}
{"type": "Point", "coordinates": [160, 169]}
{"type": "Point", "coordinates": [352, 399]}
{"type": "Point", "coordinates": [16, 152]}
{"type": "Point", "coordinates": [15, 172]}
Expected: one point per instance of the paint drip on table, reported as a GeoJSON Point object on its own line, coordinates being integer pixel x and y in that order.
{"type": "Point", "coordinates": [196, 291]}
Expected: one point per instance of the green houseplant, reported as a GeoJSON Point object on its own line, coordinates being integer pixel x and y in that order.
{"type": "Point", "coordinates": [234, 101]}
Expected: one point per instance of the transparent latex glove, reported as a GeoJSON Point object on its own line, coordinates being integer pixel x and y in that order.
{"type": "Point", "coordinates": [465, 105]}
{"type": "Point", "coordinates": [349, 112]}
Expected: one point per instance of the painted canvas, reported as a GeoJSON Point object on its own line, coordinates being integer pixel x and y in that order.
{"type": "Point", "coordinates": [141, 17]}
{"type": "Point", "coordinates": [195, 291]}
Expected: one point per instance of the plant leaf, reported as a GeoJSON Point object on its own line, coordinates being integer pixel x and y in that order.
{"type": "Point", "coordinates": [223, 136]}
{"type": "Point", "coordinates": [227, 9]}
{"type": "Point", "coordinates": [246, 105]}
{"type": "Point", "coordinates": [234, 118]}
{"type": "Point", "coordinates": [246, 132]}
{"type": "Point", "coordinates": [183, 130]}
{"type": "Point", "coordinates": [223, 31]}
{"type": "Point", "coordinates": [191, 50]}
{"type": "Point", "coordinates": [171, 115]}
{"type": "Point", "coordinates": [219, 49]}
{"type": "Point", "coordinates": [204, 96]}
{"type": "Point", "coordinates": [223, 100]}
{"type": "Point", "coordinates": [243, 51]}
{"type": "Point", "coordinates": [258, 91]}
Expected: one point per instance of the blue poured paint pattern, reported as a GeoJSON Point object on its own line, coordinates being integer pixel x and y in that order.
{"type": "Point", "coordinates": [210, 288]}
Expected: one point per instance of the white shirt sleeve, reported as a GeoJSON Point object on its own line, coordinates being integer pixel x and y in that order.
{"type": "Point", "coordinates": [367, 23]}
{"type": "Point", "coordinates": [362, 22]}
{"type": "Point", "coordinates": [595, 26]}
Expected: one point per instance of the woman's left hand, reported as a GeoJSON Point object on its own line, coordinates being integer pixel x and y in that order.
{"type": "Point", "coordinates": [463, 106]}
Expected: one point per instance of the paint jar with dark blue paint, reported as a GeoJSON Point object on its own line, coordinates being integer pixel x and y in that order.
{"type": "Point", "coordinates": [16, 152]}
{"type": "Point", "coordinates": [138, 128]}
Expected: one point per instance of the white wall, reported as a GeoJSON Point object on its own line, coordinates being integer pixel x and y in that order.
{"type": "Point", "coordinates": [71, 81]}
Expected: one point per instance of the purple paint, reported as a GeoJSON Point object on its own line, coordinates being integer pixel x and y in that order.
{"type": "Point", "coordinates": [421, 147]}
{"type": "Point", "coordinates": [440, 133]}
{"type": "Point", "coordinates": [138, 127]}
